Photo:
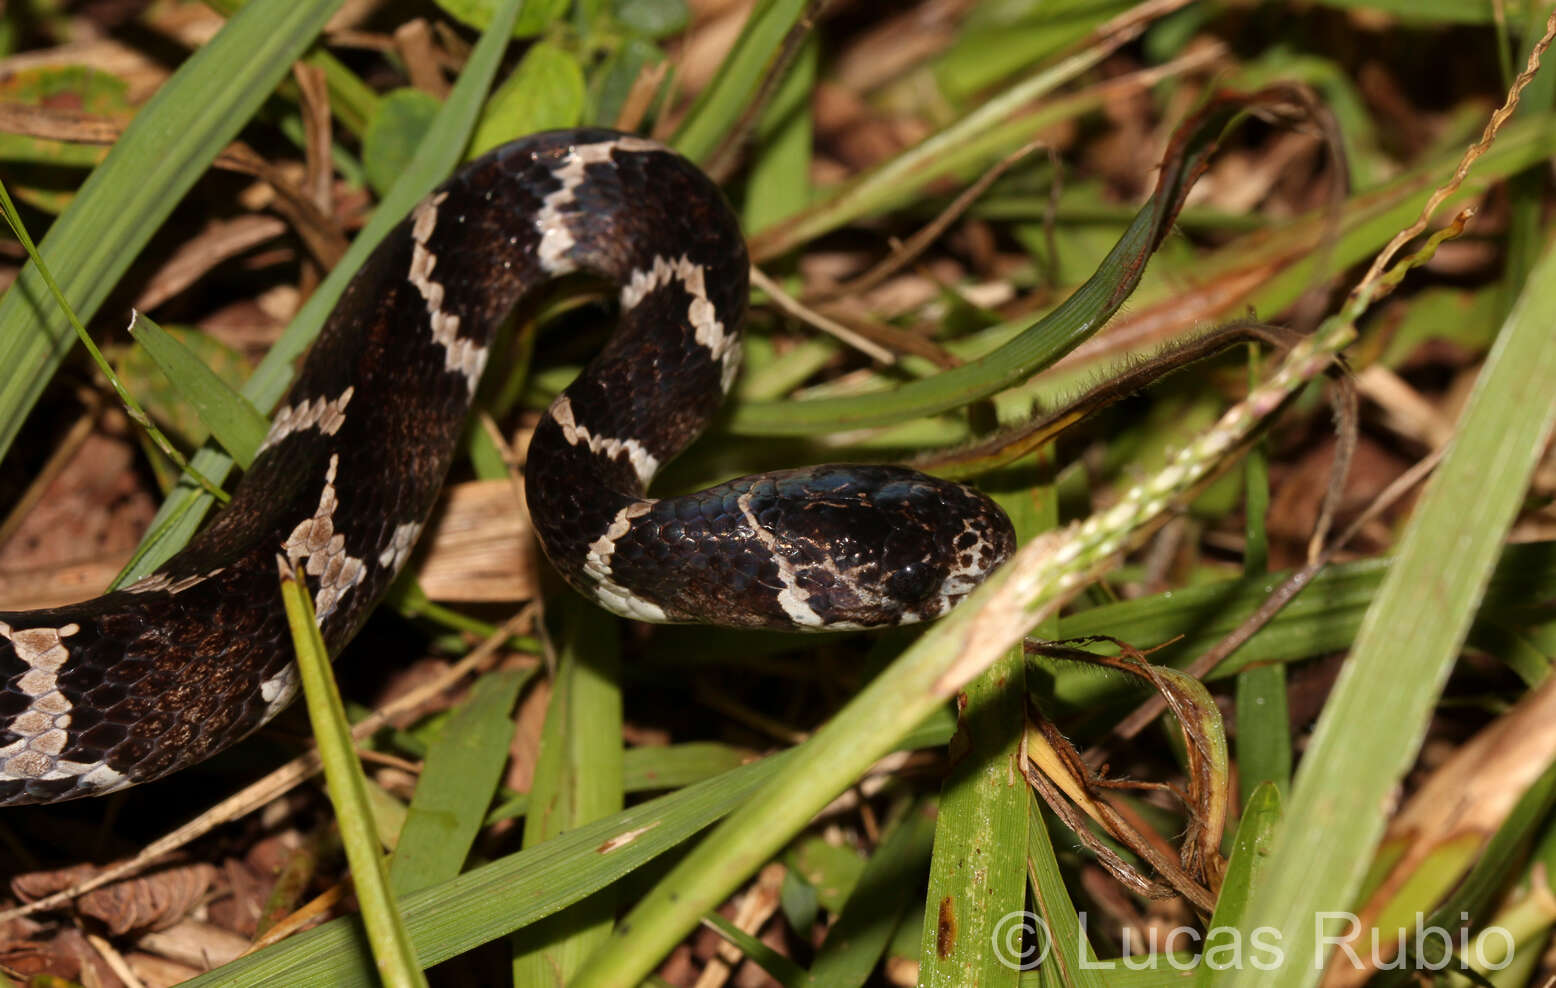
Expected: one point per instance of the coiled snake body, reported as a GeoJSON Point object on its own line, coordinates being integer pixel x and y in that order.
{"type": "Point", "coordinates": [138, 683]}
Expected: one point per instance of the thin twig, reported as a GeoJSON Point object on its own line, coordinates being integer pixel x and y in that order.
{"type": "Point", "coordinates": [800, 311]}
{"type": "Point", "coordinates": [920, 241]}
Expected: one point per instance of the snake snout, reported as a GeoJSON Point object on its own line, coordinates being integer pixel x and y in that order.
{"type": "Point", "coordinates": [919, 546]}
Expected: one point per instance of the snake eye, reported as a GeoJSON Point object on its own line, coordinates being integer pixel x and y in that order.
{"type": "Point", "coordinates": [913, 581]}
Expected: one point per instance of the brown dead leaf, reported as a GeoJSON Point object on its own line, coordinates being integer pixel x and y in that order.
{"type": "Point", "coordinates": [38, 884]}
{"type": "Point", "coordinates": [156, 901]}
{"type": "Point", "coordinates": [480, 548]}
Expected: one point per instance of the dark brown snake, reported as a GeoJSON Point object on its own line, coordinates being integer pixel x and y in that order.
{"type": "Point", "coordinates": [146, 680]}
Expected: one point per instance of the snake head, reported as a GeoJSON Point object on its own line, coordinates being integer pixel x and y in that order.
{"type": "Point", "coordinates": [867, 546]}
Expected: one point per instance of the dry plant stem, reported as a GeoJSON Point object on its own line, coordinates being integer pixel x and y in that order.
{"type": "Point", "coordinates": [318, 231]}
{"type": "Point", "coordinates": [1139, 15]}
{"type": "Point", "coordinates": [1076, 821]}
{"type": "Point", "coordinates": [58, 125]}
{"type": "Point", "coordinates": [722, 162]}
{"type": "Point", "coordinates": [317, 134]}
{"type": "Point", "coordinates": [641, 96]}
{"type": "Point", "coordinates": [1204, 801]}
{"type": "Point", "coordinates": [920, 241]}
{"type": "Point", "coordinates": [1347, 431]}
{"type": "Point", "coordinates": [312, 911]}
{"type": "Point", "coordinates": [905, 342]}
{"type": "Point", "coordinates": [285, 778]}
{"type": "Point", "coordinates": [114, 960]}
{"type": "Point", "coordinates": [1368, 284]}
{"type": "Point", "coordinates": [788, 303]}
{"type": "Point", "coordinates": [414, 41]}
{"type": "Point", "coordinates": [1378, 282]}
{"type": "Point", "coordinates": [219, 241]}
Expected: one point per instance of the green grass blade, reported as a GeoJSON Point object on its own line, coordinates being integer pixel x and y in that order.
{"type": "Point", "coordinates": [458, 778]}
{"type": "Point", "coordinates": [653, 769]}
{"type": "Point", "coordinates": [780, 968]}
{"type": "Point", "coordinates": [1056, 333]}
{"type": "Point", "coordinates": [132, 405]}
{"type": "Point", "coordinates": [1228, 941]}
{"type": "Point", "coordinates": [545, 91]}
{"type": "Point", "coordinates": [233, 422]}
{"type": "Point", "coordinates": [721, 104]}
{"type": "Point", "coordinates": [891, 878]}
{"type": "Point", "coordinates": [1369, 219]}
{"type": "Point", "coordinates": [1410, 637]}
{"type": "Point", "coordinates": [161, 154]}
{"type": "Point", "coordinates": [578, 780]}
{"type": "Point", "coordinates": [977, 878]}
{"type": "Point", "coordinates": [1069, 951]}
{"type": "Point", "coordinates": [181, 514]}
{"type": "Point", "coordinates": [392, 950]}
{"type": "Point", "coordinates": [1263, 724]}
{"type": "Point", "coordinates": [1324, 617]}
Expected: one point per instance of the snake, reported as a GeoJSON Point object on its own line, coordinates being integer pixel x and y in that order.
{"type": "Point", "coordinates": [151, 678]}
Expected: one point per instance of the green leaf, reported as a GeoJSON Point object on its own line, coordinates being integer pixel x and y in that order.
{"type": "Point", "coordinates": [653, 18]}
{"type": "Point", "coordinates": [508, 894]}
{"type": "Point", "coordinates": [395, 132]}
{"type": "Point", "coordinates": [977, 879]}
{"type": "Point", "coordinates": [885, 890]}
{"type": "Point", "coordinates": [1069, 952]}
{"type": "Point", "coordinates": [1227, 941]}
{"type": "Point", "coordinates": [612, 82]}
{"type": "Point", "coordinates": [536, 16]}
{"type": "Point", "coordinates": [725, 99]}
{"type": "Point", "coordinates": [578, 780]}
{"type": "Point", "coordinates": [393, 953]}
{"type": "Point", "coordinates": [458, 778]}
{"type": "Point", "coordinates": [233, 422]}
{"type": "Point", "coordinates": [35, 167]}
{"type": "Point", "coordinates": [545, 91]}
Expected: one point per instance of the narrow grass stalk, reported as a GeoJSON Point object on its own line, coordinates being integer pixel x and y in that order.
{"type": "Point", "coordinates": [1067, 949]}
{"type": "Point", "coordinates": [517, 890]}
{"type": "Point", "coordinates": [392, 949]}
{"type": "Point", "coordinates": [720, 105]}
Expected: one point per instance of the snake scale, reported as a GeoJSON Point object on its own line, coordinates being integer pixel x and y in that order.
{"type": "Point", "coordinates": [146, 680]}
